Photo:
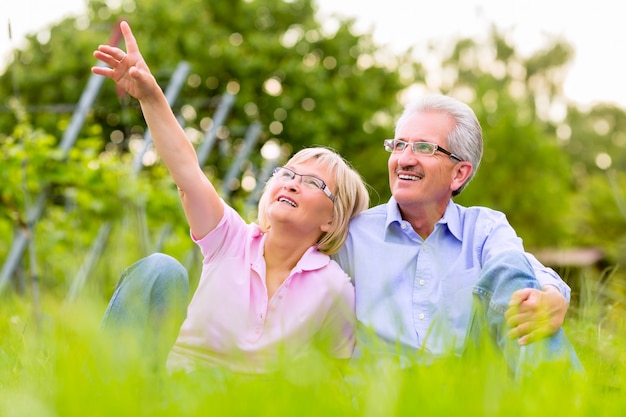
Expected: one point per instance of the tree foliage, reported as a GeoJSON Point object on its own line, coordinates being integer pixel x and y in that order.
{"type": "Point", "coordinates": [306, 86]}
{"type": "Point", "coordinates": [555, 169]}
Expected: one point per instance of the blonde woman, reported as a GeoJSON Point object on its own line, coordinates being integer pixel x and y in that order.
{"type": "Point", "coordinates": [267, 292]}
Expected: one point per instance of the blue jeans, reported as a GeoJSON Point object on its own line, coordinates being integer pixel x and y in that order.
{"type": "Point", "coordinates": [501, 276]}
{"type": "Point", "coordinates": [150, 302]}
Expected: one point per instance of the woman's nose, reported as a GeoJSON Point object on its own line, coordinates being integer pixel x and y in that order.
{"type": "Point", "coordinates": [293, 183]}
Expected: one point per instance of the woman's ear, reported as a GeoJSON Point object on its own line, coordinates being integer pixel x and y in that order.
{"type": "Point", "coordinates": [327, 227]}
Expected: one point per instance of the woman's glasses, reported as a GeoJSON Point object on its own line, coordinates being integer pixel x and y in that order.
{"type": "Point", "coordinates": [310, 181]}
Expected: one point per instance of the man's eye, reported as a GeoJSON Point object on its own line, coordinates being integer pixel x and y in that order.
{"type": "Point", "coordinates": [400, 146]}
{"type": "Point", "coordinates": [424, 148]}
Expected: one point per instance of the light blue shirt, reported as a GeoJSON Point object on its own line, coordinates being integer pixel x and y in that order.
{"type": "Point", "coordinates": [419, 292]}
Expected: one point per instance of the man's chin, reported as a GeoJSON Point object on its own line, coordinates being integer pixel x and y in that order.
{"type": "Point", "coordinates": [404, 196]}
{"type": "Point", "coordinates": [405, 188]}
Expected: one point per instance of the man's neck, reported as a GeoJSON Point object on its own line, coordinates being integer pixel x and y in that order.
{"type": "Point", "coordinates": [422, 218]}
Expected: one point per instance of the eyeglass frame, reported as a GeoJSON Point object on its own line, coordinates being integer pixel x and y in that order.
{"type": "Point", "coordinates": [389, 145]}
{"type": "Point", "coordinates": [323, 186]}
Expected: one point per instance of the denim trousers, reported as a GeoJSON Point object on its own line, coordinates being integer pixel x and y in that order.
{"type": "Point", "coordinates": [501, 276]}
{"type": "Point", "coordinates": [149, 303]}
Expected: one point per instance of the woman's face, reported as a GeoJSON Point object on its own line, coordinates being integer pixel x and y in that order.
{"type": "Point", "coordinates": [296, 199]}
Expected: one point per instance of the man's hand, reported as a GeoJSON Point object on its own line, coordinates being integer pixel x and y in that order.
{"type": "Point", "coordinates": [535, 314]}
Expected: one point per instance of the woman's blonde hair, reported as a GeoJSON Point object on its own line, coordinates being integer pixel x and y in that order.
{"type": "Point", "coordinates": [351, 196]}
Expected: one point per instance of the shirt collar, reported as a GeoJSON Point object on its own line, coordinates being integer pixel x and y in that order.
{"type": "Point", "coordinates": [451, 217]}
{"type": "Point", "coordinates": [311, 260]}
{"type": "Point", "coordinates": [393, 213]}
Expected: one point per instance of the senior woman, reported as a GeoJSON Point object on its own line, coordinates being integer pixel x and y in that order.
{"type": "Point", "coordinates": [267, 292]}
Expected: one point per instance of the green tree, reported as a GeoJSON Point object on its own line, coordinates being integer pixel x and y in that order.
{"type": "Point", "coordinates": [544, 159]}
{"type": "Point", "coordinates": [305, 86]}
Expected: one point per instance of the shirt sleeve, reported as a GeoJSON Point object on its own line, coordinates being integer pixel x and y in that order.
{"type": "Point", "coordinates": [503, 237]}
{"type": "Point", "coordinates": [337, 334]}
{"type": "Point", "coordinates": [227, 237]}
{"type": "Point", "coordinates": [343, 256]}
{"type": "Point", "coordinates": [547, 276]}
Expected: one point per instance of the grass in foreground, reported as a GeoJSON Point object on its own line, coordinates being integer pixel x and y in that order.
{"type": "Point", "coordinates": [60, 366]}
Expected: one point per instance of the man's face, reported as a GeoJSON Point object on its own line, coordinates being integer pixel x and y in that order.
{"type": "Point", "coordinates": [423, 179]}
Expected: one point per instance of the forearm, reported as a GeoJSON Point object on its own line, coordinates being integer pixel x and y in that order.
{"type": "Point", "coordinates": [170, 141]}
{"type": "Point", "coordinates": [503, 237]}
{"type": "Point", "coordinates": [547, 277]}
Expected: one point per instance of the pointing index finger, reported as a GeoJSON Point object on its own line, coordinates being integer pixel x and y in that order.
{"type": "Point", "coordinates": [129, 38]}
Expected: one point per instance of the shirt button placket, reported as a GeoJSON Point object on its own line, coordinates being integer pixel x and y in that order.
{"type": "Point", "coordinates": [421, 291]}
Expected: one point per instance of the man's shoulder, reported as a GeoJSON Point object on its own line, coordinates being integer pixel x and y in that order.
{"type": "Point", "coordinates": [371, 214]}
{"type": "Point", "coordinates": [379, 209]}
{"type": "Point", "coordinates": [475, 214]}
{"type": "Point", "coordinates": [368, 222]}
{"type": "Point", "coordinates": [478, 210]}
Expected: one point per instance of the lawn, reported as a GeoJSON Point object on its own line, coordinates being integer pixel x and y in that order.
{"type": "Point", "coordinates": [54, 361]}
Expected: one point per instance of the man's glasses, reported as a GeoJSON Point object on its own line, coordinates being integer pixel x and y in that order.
{"type": "Point", "coordinates": [285, 174]}
{"type": "Point", "coordinates": [420, 148]}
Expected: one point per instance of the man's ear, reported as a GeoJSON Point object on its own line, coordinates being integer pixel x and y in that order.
{"type": "Point", "coordinates": [460, 173]}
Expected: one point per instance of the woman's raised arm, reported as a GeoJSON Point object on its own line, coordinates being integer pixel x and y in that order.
{"type": "Point", "coordinates": [201, 203]}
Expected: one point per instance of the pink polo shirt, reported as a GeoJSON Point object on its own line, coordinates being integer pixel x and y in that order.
{"type": "Point", "coordinates": [230, 321]}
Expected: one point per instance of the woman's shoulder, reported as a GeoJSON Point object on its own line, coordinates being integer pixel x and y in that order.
{"type": "Point", "coordinates": [335, 276]}
{"type": "Point", "coordinates": [232, 233]}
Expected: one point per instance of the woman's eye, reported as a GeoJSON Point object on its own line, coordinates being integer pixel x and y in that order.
{"type": "Point", "coordinates": [311, 182]}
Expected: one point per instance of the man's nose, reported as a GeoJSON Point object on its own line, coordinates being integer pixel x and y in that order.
{"type": "Point", "coordinates": [407, 156]}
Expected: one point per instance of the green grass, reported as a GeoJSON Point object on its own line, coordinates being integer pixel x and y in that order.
{"type": "Point", "coordinates": [58, 364]}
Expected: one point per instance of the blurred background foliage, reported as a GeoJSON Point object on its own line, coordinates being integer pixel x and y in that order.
{"type": "Point", "coordinates": [556, 169]}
